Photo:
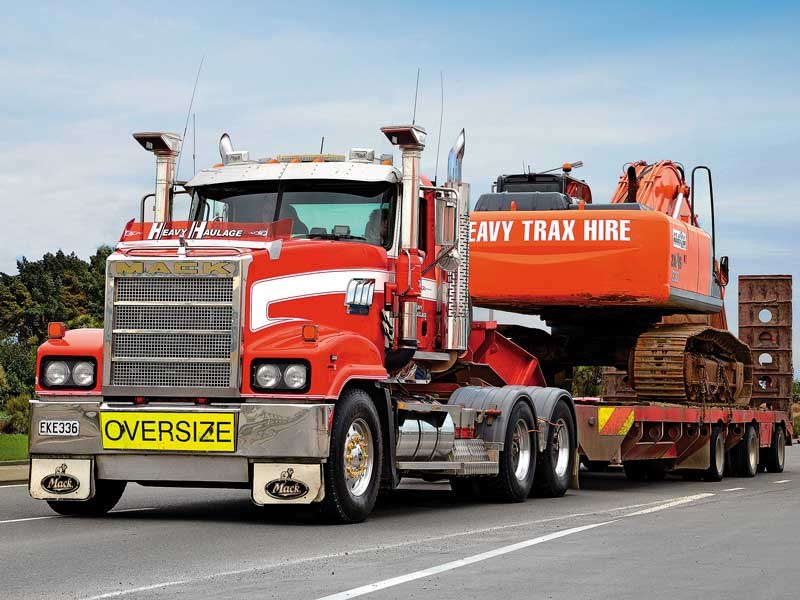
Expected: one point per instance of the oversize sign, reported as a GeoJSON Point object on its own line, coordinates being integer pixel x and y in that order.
{"type": "Point", "coordinates": [213, 432]}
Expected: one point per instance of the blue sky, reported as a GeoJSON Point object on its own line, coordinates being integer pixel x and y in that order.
{"type": "Point", "coordinates": [606, 83]}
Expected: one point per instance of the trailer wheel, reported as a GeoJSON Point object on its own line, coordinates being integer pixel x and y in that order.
{"type": "Point", "coordinates": [776, 454]}
{"type": "Point", "coordinates": [716, 470]}
{"type": "Point", "coordinates": [353, 470]}
{"type": "Point", "coordinates": [517, 466]}
{"type": "Point", "coordinates": [554, 468]}
{"type": "Point", "coordinates": [744, 455]}
{"type": "Point", "coordinates": [106, 495]}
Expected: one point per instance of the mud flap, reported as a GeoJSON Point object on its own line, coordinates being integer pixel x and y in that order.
{"type": "Point", "coordinates": [61, 478]}
{"type": "Point", "coordinates": [279, 483]}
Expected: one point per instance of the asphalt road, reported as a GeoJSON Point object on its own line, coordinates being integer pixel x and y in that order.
{"type": "Point", "coordinates": [612, 539]}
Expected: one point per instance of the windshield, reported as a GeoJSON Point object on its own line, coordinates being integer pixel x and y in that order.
{"type": "Point", "coordinates": [318, 209]}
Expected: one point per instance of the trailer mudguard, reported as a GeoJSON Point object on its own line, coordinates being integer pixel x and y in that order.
{"type": "Point", "coordinates": [499, 398]}
{"type": "Point", "coordinates": [544, 402]}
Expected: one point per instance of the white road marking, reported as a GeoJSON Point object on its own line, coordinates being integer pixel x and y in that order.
{"type": "Point", "coordinates": [121, 510]}
{"type": "Point", "coordinates": [670, 504]}
{"type": "Point", "coordinates": [782, 481]}
{"type": "Point", "coordinates": [29, 519]}
{"type": "Point", "coordinates": [462, 562]}
{"type": "Point", "coordinates": [732, 489]}
{"type": "Point", "coordinates": [370, 550]}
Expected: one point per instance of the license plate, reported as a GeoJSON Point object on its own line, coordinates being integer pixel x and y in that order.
{"type": "Point", "coordinates": [59, 427]}
{"type": "Point", "coordinates": [209, 432]}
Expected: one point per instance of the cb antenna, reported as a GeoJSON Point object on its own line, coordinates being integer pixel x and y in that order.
{"type": "Point", "coordinates": [416, 93]}
{"type": "Point", "coordinates": [322, 144]}
{"type": "Point", "coordinates": [189, 113]}
{"type": "Point", "coordinates": [439, 140]}
{"type": "Point", "coordinates": [194, 144]}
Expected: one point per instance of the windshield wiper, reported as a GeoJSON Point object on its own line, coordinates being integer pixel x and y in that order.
{"type": "Point", "coordinates": [331, 236]}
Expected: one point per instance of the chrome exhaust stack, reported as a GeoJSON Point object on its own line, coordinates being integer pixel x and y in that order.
{"type": "Point", "coordinates": [459, 317]}
{"type": "Point", "coordinates": [166, 147]}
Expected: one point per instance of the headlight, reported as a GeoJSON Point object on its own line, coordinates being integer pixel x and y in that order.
{"type": "Point", "coordinates": [56, 373]}
{"type": "Point", "coordinates": [267, 376]}
{"type": "Point", "coordinates": [83, 374]}
{"type": "Point", "coordinates": [295, 376]}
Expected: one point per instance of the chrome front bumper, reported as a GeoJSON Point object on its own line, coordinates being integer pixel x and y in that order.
{"type": "Point", "coordinates": [266, 432]}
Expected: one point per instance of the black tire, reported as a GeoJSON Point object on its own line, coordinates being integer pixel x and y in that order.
{"type": "Point", "coordinates": [465, 488]}
{"type": "Point", "coordinates": [745, 454]}
{"type": "Point", "coordinates": [635, 470]}
{"type": "Point", "coordinates": [550, 481]}
{"type": "Point", "coordinates": [354, 409]}
{"type": "Point", "coordinates": [776, 453]}
{"type": "Point", "coordinates": [106, 495]}
{"type": "Point", "coordinates": [716, 448]}
{"type": "Point", "coordinates": [517, 467]}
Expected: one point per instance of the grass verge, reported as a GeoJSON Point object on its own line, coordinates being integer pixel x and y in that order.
{"type": "Point", "coordinates": [13, 446]}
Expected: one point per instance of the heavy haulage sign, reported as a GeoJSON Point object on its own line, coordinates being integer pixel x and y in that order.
{"type": "Point", "coordinates": [543, 230]}
{"type": "Point", "coordinates": [214, 432]}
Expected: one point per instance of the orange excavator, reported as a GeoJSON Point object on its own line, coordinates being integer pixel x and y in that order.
{"type": "Point", "coordinates": [635, 283]}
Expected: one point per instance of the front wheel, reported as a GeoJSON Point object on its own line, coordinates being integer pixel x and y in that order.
{"type": "Point", "coordinates": [353, 469]}
{"type": "Point", "coordinates": [106, 495]}
{"type": "Point", "coordinates": [554, 469]}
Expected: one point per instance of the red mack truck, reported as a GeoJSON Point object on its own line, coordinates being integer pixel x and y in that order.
{"type": "Point", "coordinates": [306, 333]}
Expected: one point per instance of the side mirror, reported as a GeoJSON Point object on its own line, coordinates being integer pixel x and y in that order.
{"type": "Point", "coordinates": [446, 216]}
{"type": "Point", "coordinates": [450, 260]}
{"type": "Point", "coordinates": [724, 273]}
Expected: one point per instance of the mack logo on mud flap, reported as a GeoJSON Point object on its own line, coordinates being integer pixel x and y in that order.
{"type": "Point", "coordinates": [180, 267]}
{"type": "Point", "coordinates": [60, 482]}
{"type": "Point", "coordinates": [286, 488]}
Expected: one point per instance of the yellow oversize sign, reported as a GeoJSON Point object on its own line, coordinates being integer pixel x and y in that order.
{"type": "Point", "coordinates": [213, 432]}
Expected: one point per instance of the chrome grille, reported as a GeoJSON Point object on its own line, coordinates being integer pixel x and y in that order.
{"type": "Point", "coordinates": [172, 332]}
{"type": "Point", "coordinates": [149, 345]}
{"type": "Point", "coordinates": [129, 316]}
{"type": "Point", "coordinates": [175, 375]}
{"type": "Point", "coordinates": [174, 289]}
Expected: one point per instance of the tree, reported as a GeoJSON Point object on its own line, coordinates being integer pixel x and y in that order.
{"type": "Point", "coordinates": [587, 381]}
{"type": "Point", "coordinates": [58, 287]}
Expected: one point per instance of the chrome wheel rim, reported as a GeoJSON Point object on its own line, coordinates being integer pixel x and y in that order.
{"type": "Point", "coordinates": [521, 450]}
{"type": "Point", "coordinates": [781, 441]}
{"type": "Point", "coordinates": [752, 453]}
{"type": "Point", "coordinates": [358, 457]}
{"type": "Point", "coordinates": [560, 448]}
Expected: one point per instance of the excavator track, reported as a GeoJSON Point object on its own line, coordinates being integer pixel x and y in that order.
{"type": "Point", "coordinates": [692, 364]}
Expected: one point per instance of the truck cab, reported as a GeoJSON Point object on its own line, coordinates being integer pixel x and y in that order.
{"type": "Point", "coordinates": [300, 332]}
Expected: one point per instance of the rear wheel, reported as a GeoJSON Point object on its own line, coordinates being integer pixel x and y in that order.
{"type": "Point", "coordinates": [517, 460]}
{"type": "Point", "coordinates": [554, 469]}
{"type": "Point", "coordinates": [776, 454]}
{"type": "Point", "coordinates": [744, 456]}
{"type": "Point", "coordinates": [353, 469]}
{"type": "Point", "coordinates": [716, 470]}
{"type": "Point", "coordinates": [106, 495]}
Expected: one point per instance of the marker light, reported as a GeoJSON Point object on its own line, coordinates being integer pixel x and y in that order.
{"type": "Point", "coordinates": [56, 331]}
